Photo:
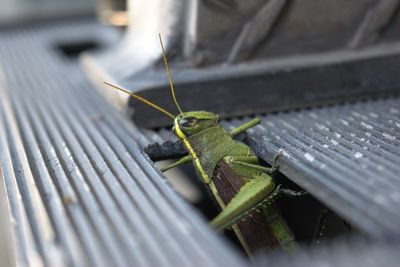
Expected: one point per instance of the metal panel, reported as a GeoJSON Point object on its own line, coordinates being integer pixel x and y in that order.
{"type": "Point", "coordinates": [103, 203]}
{"type": "Point", "coordinates": [344, 253]}
{"type": "Point", "coordinates": [347, 156]}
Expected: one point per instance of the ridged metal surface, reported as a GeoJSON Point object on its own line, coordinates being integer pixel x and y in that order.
{"type": "Point", "coordinates": [345, 253]}
{"type": "Point", "coordinates": [348, 156]}
{"type": "Point", "coordinates": [80, 191]}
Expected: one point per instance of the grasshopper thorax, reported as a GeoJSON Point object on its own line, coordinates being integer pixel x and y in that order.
{"type": "Point", "coordinates": [192, 122]}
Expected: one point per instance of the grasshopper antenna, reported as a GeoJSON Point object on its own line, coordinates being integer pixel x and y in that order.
{"type": "Point", "coordinates": [169, 114]}
{"type": "Point", "coordinates": [169, 75]}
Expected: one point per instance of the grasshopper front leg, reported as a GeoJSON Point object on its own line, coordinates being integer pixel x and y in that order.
{"type": "Point", "coordinates": [245, 126]}
{"type": "Point", "coordinates": [181, 161]}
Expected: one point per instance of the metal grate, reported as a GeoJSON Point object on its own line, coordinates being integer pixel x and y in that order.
{"type": "Point", "coordinates": [345, 253]}
{"type": "Point", "coordinates": [80, 190]}
{"type": "Point", "coordinates": [348, 156]}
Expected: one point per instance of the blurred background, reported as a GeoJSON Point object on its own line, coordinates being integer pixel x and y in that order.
{"type": "Point", "coordinates": [80, 186]}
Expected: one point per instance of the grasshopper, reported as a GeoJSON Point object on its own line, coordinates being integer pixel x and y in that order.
{"type": "Point", "coordinates": [244, 190]}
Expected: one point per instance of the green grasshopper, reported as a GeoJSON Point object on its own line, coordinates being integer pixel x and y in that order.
{"type": "Point", "coordinates": [243, 188]}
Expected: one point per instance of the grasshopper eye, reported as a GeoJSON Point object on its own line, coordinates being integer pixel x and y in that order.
{"type": "Point", "coordinates": [188, 122]}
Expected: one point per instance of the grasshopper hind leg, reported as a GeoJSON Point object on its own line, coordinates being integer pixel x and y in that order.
{"type": "Point", "coordinates": [321, 225]}
{"type": "Point", "coordinates": [251, 207]}
{"type": "Point", "coordinates": [275, 166]}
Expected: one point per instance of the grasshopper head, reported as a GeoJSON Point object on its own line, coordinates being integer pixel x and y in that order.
{"type": "Point", "coordinates": [189, 123]}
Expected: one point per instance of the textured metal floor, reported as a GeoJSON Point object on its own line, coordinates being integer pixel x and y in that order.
{"type": "Point", "coordinates": [80, 191]}
{"type": "Point", "coordinates": [344, 253]}
{"type": "Point", "coordinates": [347, 156]}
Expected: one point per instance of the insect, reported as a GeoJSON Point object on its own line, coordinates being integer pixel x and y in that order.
{"type": "Point", "coordinates": [244, 190]}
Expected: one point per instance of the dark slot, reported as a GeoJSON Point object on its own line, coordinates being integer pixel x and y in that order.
{"type": "Point", "coordinates": [72, 50]}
